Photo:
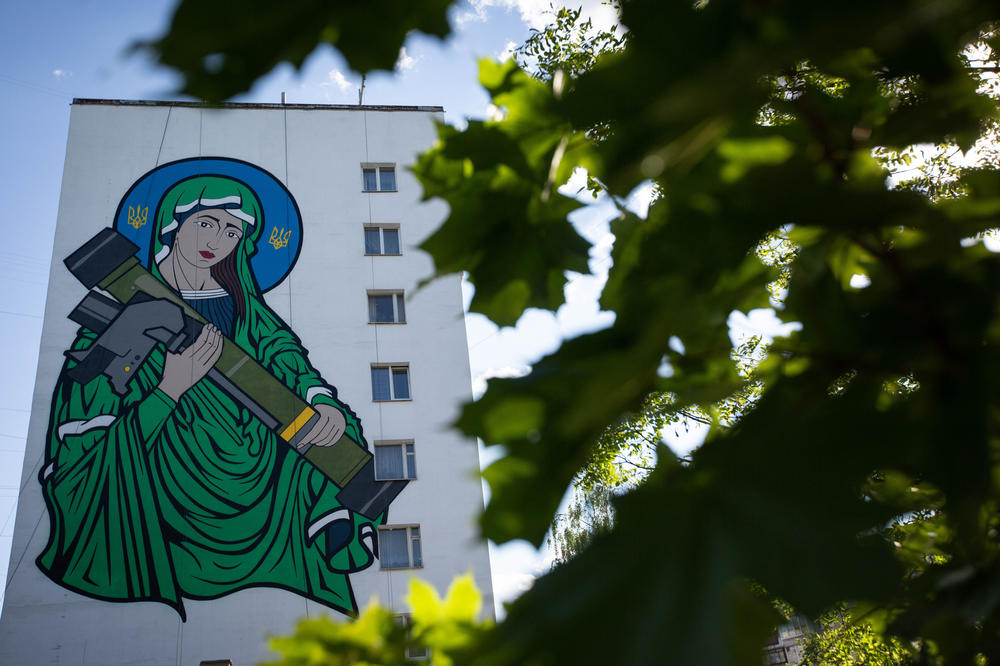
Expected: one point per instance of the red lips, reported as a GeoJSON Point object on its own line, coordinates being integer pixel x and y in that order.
{"type": "Point", "coordinates": [207, 254]}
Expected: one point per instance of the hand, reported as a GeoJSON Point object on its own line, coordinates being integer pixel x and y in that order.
{"type": "Point", "coordinates": [328, 429]}
{"type": "Point", "coordinates": [184, 370]}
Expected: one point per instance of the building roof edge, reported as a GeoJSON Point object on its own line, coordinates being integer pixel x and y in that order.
{"type": "Point", "coordinates": [256, 105]}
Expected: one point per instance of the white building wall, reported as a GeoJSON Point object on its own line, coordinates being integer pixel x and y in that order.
{"type": "Point", "coordinates": [317, 153]}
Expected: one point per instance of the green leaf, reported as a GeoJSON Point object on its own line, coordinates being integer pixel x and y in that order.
{"type": "Point", "coordinates": [741, 155]}
{"type": "Point", "coordinates": [463, 603]}
{"type": "Point", "coordinates": [504, 177]}
{"type": "Point", "coordinates": [221, 48]}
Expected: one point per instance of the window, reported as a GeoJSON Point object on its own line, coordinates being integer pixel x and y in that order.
{"type": "Point", "coordinates": [381, 239]}
{"type": "Point", "coordinates": [794, 628]}
{"type": "Point", "coordinates": [399, 547]}
{"type": "Point", "coordinates": [386, 307]}
{"type": "Point", "coordinates": [775, 656]}
{"type": "Point", "coordinates": [378, 178]}
{"type": "Point", "coordinates": [395, 460]}
{"type": "Point", "coordinates": [390, 382]}
{"type": "Point", "coordinates": [413, 652]}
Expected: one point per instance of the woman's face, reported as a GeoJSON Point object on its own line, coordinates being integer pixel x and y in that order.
{"type": "Point", "coordinates": [208, 236]}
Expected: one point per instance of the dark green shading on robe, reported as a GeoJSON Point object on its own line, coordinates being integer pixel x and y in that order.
{"type": "Point", "coordinates": [152, 500]}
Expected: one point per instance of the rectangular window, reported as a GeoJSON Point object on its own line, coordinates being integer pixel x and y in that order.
{"type": "Point", "coordinates": [387, 179]}
{"type": "Point", "coordinates": [390, 382]}
{"type": "Point", "coordinates": [373, 241]}
{"type": "Point", "coordinates": [394, 461]}
{"type": "Point", "coordinates": [390, 241]}
{"type": "Point", "coordinates": [401, 383]}
{"type": "Point", "coordinates": [399, 547]}
{"type": "Point", "coordinates": [378, 177]}
{"type": "Point", "coordinates": [413, 652]}
{"type": "Point", "coordinates": [386, 307]}
{"type": "Point", "coordinates": [794, 628]}
{"type": "Point", "coordinates": [382, 239]}
{"type": "Point", "coordinates": [773, 656]}
{"type": "Point", "coordinates": [369, 179]}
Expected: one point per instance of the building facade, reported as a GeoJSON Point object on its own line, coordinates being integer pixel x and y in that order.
{"type": "Point", "coordinates": [784, 646]}
{"type": "Point", "coordinates": [242, 407]}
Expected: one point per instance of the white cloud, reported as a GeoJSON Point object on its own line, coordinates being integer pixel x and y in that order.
{"type": "Point", "coordinates": [337, 78]}
{"type": "Point", "coordinates": [991, 241]}
{"type": "Point", "coordinates": [576, 184]}
{"type": "Point", "coordinates": [860, 281]}
{"type": "Point", "coordinates": [61, 73]}
{"type": "Point", "coordinates": [640, 198]}
{"type": "Point", "coordinates": [537, 13]}
{"type": "Point", "coordinates": [760, 321]}
{"type": "Point", "coordinates": [480, 380]}
{"type": "Point", "coordinates": [475, 14]}
{"type": "Point", "coordinates": [509, 586]}
{"type": "Point", "coordinates": [405, 61]}
{"type": "Point", "coordinates": [495, 113]}
{"type": "Point", "coordinates": [516, 566]}
{"type": "Point", "coordinates": [508, 52]}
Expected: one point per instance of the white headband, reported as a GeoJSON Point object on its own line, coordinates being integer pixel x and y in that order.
{"type": "Point", "coordinates": [223, 203]}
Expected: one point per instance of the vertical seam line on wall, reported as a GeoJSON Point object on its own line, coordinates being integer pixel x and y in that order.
{"type": "Point", "coordinates": [10, 517]}
{"type": "Point", "coordinates": [392, 603]}
{"type": "Point", "coordinates": [378, 356]}
{"type": "Point", "coordinates": [201, 165]}
{"type": "Point", "coordinates": [34, 471]}
{"type": "Point", "coordinates": [180, 640]}
{"type": "Point", "coordinates": [166, 123]}
{"type": "Point", "coordinates": [284, 120]}
{"type": "Point", "coordinates": [10, 576]}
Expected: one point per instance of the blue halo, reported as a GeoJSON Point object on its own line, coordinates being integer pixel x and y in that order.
{"type": "Point", "coordinates": [270, 264]}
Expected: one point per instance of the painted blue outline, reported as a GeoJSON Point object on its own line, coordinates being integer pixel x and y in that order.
{"type": "Point", "coordinates": [269, 265]}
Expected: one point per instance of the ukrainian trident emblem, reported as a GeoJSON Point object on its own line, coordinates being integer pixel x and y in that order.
{"type": "Point", "coordinates": [279, 238]}
{"type": "Point", "coordinates": [137, 216]}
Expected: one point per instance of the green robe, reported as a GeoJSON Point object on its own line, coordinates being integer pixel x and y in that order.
{"type": "Point", "coordinates": [152, 500]}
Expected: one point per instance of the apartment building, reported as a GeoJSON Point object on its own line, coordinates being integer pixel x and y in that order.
{"type": "Point", "coordinates": [242, 409]}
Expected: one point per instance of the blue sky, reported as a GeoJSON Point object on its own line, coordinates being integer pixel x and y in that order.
{"type": "Point", "coordinates": [52, 51]}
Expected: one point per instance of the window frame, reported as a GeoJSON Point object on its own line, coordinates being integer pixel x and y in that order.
{"type": "Point", "coordinates": [407, 450]}
{"type": "Point", "coordinates": [398, 305]}
{"type": "Point", "coordinates": [382, 228]}
{"type": "Point", "coordinates": [775, 656]}
{"type": "Point", "coordinates": [405, 621]}
{"type": "Point", "coordinates": [379, 168]}
{"type": "Point", "coordinates": [410, 540]}
{"type": "Point", "coordinates": [393, 368]}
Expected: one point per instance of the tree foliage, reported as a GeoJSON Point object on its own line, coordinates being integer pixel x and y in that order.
{"type": "Point", "coordinates": [435, 627]}
{"type": "Point", "coordinates": [843, 640]}
{"type": "Point", "coordinates": [588, 515]}
{"type": "Point", "coordinates": [882, 407]}
{"type": "Point", "coordinates": [569, 44]}
{"type": "Point", "coordinates": [220, 47]}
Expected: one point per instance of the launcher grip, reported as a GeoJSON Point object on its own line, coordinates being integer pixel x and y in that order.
{"type": "Point", "coordinates": [125, 342]}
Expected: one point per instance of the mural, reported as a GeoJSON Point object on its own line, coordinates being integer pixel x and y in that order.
{"type": "Point", "coordinates": [192, 449]}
